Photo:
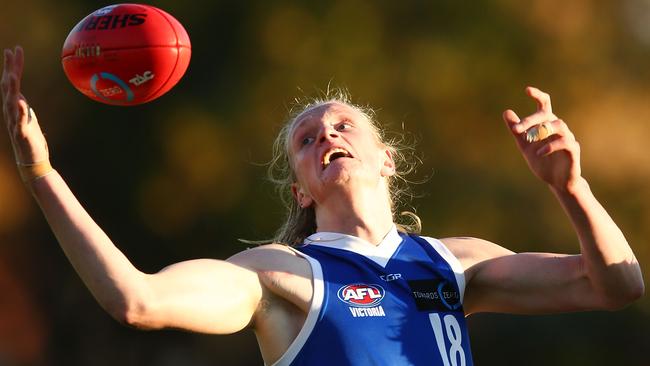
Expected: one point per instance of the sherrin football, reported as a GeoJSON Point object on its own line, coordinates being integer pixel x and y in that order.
{"type": "Point", "coordinates": [126, 54]}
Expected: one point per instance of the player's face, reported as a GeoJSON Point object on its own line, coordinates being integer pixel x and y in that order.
{"type": "Point", "coordinates": [334, 145]}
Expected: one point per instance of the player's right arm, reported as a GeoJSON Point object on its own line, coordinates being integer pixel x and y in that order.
{"type": "Point", "coordinates": [205, 295]}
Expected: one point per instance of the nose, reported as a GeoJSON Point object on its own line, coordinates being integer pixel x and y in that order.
{"type": "Point", "coordinates": [327, 132]}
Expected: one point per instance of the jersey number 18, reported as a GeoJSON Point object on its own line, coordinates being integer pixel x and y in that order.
{"type": "Point", "coordinates": [453, 332]}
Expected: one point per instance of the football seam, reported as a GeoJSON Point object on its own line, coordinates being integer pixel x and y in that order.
{"type": "Point", "coordinates": [178, 54]}
{"type": "Point", "coordinates": [132, 48]}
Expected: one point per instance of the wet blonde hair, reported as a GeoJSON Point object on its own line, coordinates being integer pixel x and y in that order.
{"type": "Point", "coordinates": [301, 222]}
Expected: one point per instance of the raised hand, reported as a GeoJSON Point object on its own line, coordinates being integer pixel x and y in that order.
{"type": "Point", "coordinates": [547, 143]}
{"type": "Point", "coordinates": [27, 140]}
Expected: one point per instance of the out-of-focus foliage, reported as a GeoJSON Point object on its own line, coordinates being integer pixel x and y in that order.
{"type": "Point", "coordinates": [180, 177]}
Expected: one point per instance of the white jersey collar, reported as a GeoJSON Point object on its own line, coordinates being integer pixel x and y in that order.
{"type": "Point", "coordinates": [380, 253]}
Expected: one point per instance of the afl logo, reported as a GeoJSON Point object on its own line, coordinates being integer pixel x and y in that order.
{"type": "Point", "coordinates": [361, 295]}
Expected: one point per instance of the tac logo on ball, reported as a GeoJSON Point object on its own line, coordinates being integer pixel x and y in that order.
{"type": "Point", "coordinates": [126, 54]}
{"type": "Point", "coordinates": [362, 295]}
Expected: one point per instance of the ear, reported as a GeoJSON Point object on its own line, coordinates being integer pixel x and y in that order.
{"type": "Point", "coordinates": [304, 200]}
{"type": "Point", "coordinates": [388, 168]}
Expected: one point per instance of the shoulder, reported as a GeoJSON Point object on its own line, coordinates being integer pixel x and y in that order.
{"type": "Point", "coordinates": [270, 257]}
{"type": "Point", "coordinates": [471, 252]}
{"type": "Point", "coordinates": [281, 270]}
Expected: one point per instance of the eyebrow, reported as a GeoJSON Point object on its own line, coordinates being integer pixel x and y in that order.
{"type": "Point", "coordinates": [299, 124]}
{"type": "Point", "coordinates": [298, 129]}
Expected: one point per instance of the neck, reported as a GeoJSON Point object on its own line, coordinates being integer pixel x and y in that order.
{"type": "Point", "coordinates": [360, 214]}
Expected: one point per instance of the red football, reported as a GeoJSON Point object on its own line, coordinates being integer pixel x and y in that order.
{"type": "Point", "coordinates": [126, 54]}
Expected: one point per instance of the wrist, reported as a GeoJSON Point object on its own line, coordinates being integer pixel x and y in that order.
{"type": "Point", "coordinates": [572, 188]}
{"type": "Point", "coordinates": [34, 171]}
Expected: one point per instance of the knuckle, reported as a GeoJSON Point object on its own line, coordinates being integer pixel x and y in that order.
{"type": "Point", "coordinates": [17, 133]}
{"type": "Point", "coordinates": [22, 132]}
{"type": "Point", "coordinates": [571, 136]}
{"type": "Point", "coordinates": [20, 112]}
{"type": "Point", "coordinates": [560, 142]}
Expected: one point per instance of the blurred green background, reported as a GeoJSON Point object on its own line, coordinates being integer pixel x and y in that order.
{"type": "Point", "coordinates": [180, 177]}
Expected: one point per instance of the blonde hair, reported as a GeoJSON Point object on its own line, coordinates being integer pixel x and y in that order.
{"type": "Point", "coordinates": [301, 222]}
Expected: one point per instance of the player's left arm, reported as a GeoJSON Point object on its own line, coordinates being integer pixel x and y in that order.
{"type": "Point", "coordinates": [605, 275]}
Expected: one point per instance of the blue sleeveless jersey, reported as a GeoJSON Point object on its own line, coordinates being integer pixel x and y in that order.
{"type": "Point", "coordinates": [398, 303]}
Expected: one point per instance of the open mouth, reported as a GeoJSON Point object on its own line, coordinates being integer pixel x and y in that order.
{"type": "Point", "coordinates": [334, 154]}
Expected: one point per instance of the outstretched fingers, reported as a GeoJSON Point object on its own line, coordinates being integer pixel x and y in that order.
{"type": "Point", "coordinates": [6, 71]}
{"type": "Point", "coordinates": [25, 133]}
{"type": "Point", "coordinates": [546, 142]}
{"type": "Point", "coordinates": [511, 118]}
{"type": "Point", "coordinates": [533, 120]}
{"type": "Point", "coordinates": [542, 99]}
{"type": "Point", "coordinates": [544, 111]}
{"type": "Point", "coordinates": [19, 62]}
{"type": "Point", "coordinates": [12, 72]}
{"type": "Point", "coordinates": [15, 108]}
{"type": "Point", "coordinates": [513, 121]}
{"type": "Point", "coordinates": [541, 136]}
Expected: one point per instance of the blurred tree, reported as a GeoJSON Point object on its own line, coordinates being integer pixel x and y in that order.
{"type": "Point", "coordinates": [179, 178]}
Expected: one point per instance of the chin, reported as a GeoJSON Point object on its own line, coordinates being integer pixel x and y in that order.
{"type": "Point", "coordinates": [344, 177]}
{"type": "Point", "coordinates": [346, 174]}
{"type": "Point", "coordinates": [336, 175]}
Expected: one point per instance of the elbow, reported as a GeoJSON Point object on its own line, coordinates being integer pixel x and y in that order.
{"type": "Point", "coordinates": [636, 292]}
{"type": "Point", "coordinates": [621, 286]}
{"type": "Point", "coordinates": [134, 314]}
{"type": "Point", "coordinates": [623, 297]}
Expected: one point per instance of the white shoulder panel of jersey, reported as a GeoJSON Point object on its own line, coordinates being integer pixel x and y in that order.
{"type": "Point", "coordinates": [454, 263]}
{"type": "Point", "coordinates": [314, 310]}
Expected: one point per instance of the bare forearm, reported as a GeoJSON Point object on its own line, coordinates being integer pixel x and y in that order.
{"type": "Point", "coordinates": [107, 273]}
{"type": "Point", "coordinates": [607, 257]}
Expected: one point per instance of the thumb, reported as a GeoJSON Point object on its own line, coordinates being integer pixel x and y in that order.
{"type": "Point", "coordinates": [511, 119]}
